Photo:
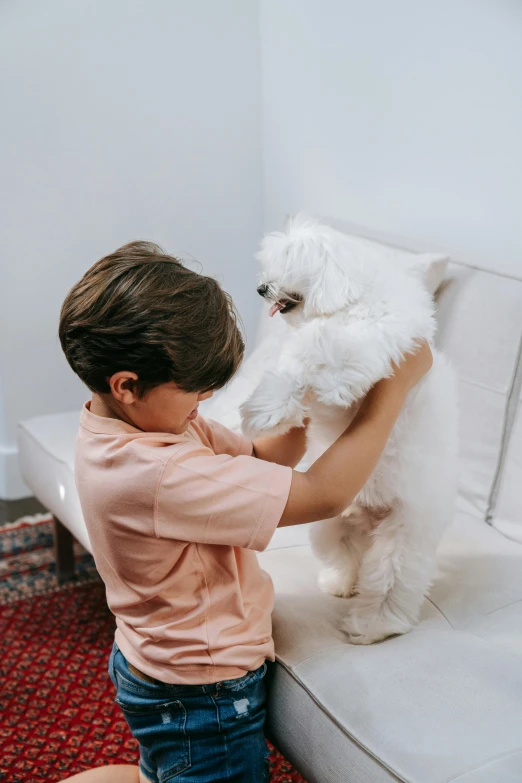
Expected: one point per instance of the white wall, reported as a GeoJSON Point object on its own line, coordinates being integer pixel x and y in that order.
{"type": "Point", "coordinates": [120, 120]}
{"type": "Point", "coordinates": [404, 116]}
{"type": "Point", "coordinates": [132, 118]}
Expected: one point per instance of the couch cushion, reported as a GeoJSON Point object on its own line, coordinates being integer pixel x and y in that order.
{"type": "Point", "coordinates": [480, 326]}
{"type": "Point", "coordinates": [426, 707]}
{"type": "Point", "coordinates": [46, 447]}
{"type": "Point", "coordinates": [505, 511]}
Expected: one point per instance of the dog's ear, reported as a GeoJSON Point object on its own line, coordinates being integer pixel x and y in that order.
{"type": "Point", "coordinates": [331, 289]}
{"type": "Point", "coordinates": [429, 268]}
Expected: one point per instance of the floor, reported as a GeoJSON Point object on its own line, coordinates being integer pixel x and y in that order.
{"type": "Point", "coordinates": [11, 510]}
{"type": "Point", "coordinates": [48, 630]}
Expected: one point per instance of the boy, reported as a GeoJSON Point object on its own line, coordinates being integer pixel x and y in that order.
{"type": "Point", "coordinates": [177, 506]}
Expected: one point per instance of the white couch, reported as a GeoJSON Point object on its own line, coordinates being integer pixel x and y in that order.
{"type": "Point", "coordinates": [444, 702]}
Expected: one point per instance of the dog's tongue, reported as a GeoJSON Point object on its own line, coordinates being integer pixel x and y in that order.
{"type": "Point", "coordinates": [275, 308]}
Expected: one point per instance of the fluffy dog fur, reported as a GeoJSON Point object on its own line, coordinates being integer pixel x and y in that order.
{"type": "Point", "coordinates": [349, 315]}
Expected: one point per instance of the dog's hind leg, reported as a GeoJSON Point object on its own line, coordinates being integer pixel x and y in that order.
{"type": "Point", "coordinates": [394, 576]}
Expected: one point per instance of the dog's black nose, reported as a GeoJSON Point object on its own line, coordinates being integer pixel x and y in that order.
{"type": "Point", "coordinates": [262, 289]}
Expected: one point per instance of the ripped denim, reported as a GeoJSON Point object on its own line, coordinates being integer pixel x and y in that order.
{"type": "Point", "coordinates": [195, 733]}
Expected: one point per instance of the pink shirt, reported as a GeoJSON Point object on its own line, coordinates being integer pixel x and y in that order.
{"type": "Point", "coordinates": [173, 521]}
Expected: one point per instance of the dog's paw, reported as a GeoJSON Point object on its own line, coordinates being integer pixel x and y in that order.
{"type": "Point", "coordinates": [254, 423]}
{"type": "Point", "coordinates": [337, 397]}
{"type": "Point", "coordinates": [370, 622]}
{"type": "Point", "coordinates": [335, 582]}
{"type": "Point", "coordinates": [273, 408]}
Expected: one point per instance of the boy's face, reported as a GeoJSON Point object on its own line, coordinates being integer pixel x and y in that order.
{"type": "Point", "coordinates": [166, 408]}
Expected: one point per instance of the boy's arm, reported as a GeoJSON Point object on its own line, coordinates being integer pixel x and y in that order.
{"type": "Point", "coordinates": [287, 449]}
{"type": "Point", "coordinates": [333, 481]}
{"type": "Point", "coordinates": [209, 498]}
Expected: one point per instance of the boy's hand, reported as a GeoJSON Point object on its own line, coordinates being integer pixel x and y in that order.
{"type": "Point", "coordinates": [287, 449]}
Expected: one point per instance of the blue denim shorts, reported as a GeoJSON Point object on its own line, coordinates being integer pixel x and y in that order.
{"type": "Point", "coordinates": [195, 733]}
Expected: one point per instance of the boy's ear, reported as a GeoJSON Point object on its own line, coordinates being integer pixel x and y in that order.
{"type": "Point", "coordinates": [123, 386]}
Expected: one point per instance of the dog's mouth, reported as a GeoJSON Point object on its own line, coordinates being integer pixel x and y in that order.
{"type": "Point", "coordinates": [284, 306]}
{"type": "Point", "coordinates": [281, 305]}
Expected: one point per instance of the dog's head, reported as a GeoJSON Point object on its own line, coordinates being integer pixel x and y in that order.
{"type": "Point", "coordinates": [301, 270]}
{"type": "Point", "coordinates": [310, 269]}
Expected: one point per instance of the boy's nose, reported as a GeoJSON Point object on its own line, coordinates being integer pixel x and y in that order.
{"type": "Point", "coordinates": [205, 395]}
{"type": "Point", "coordinates": [262, 289]}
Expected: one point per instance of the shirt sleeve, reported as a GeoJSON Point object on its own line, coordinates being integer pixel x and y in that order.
{"type": "Point", "coordinates": [218, 499]}
{"type": "Point", "coordinates": [225, 441]}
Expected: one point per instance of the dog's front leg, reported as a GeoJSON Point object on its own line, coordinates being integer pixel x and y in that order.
{"type": "Point", "coordinates": [346, 360]}
{"type": "Point", "coordinates": [277, 403]}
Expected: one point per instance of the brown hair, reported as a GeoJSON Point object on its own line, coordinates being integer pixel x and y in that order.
{"type": "Point", "coordinates": [141, 310]}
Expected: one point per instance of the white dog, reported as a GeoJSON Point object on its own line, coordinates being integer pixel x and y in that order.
{"type": "Point", "coordinates": [350, 315]}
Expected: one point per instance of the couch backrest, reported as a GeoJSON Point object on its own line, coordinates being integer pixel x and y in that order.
{"type": "Point", "coordinates": [506, 503]}
{"type": "Point", "coordinates": [480, 328]}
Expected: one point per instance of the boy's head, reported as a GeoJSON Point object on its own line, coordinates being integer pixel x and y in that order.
{"type": "Point", "coordinates": [149, 337]}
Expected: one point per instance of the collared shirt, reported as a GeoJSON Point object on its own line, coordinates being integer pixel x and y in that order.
{"type": "Point", "coordinates": [173, 522]}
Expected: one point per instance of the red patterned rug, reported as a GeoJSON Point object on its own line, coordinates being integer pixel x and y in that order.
{"type": "Point", "coordinates": [57, 715]}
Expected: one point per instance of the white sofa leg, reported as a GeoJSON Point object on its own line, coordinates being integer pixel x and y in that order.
{"type": "Point", "coordinates": [63, 547]}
